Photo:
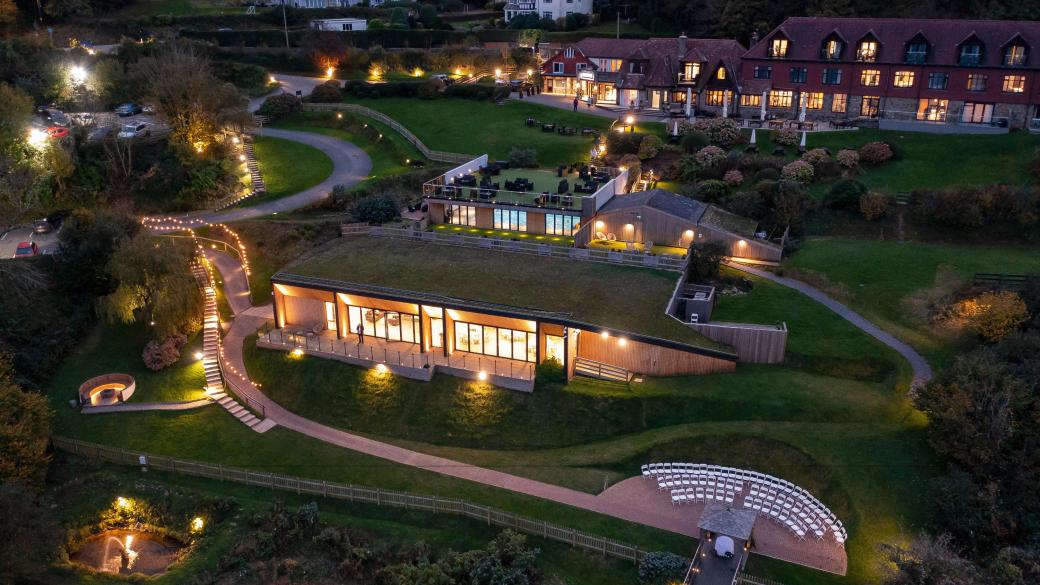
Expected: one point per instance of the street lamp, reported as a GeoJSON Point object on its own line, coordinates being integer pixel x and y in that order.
{"type": "Point", "coordinates": [37, 138]}
{"type": "Point", "coordinates": [78, 74]}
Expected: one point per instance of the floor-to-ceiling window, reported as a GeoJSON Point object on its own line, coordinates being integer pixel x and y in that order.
{"type": "Point", "coordinates": [511, 219]}
{"type": "Point", "coordinates": [389, 325]}
{"type": "Point", "coordinates": [554, 347]}
{"type": "Point", "coordinates": [496, 341]}
{"type": "Point", "coordinates": [330, 316]}
{"type": "Point", "coordinates": [557, 224]}
{"type": "Point", "coordinates": [460, 214]}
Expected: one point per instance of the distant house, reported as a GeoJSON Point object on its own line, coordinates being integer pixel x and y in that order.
{"type": "Point", "coordinates": [551, 9]}
{"type": "Point", "coordinates": [316, 3]}
{"type": "Point", "coordinates": [339, 24]}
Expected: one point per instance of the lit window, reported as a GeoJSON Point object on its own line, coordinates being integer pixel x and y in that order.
{"type": "Point", "coordinates": [870, 77]}
{"type": "Point", "coordinates": [976, 82]}
{"type": "Point", "coordinates": [814, 100]}
{"type": "Point", "coordinates": [691, 71]}
{"type": "Point", "coordinates": [870, 106]}
{"type": "Point", "coordinates": [751, 100]}
{"type": "Point", "coordinates": [832, 50]}
{"type": "Point", "coordinates": [781, 98]}
{"type": "Point", "coordinates": [510, 219]}
{"type": "Point", "coordinates": [557, 224]}
{"type": "Point", "coordinates": [903, 79]}
{"type": "Point", "coordinates": [932, 110]}
{"type": "Point", "coordinates": [1015, 56]}
{"type": "Point", "coordinates": [713, 97]}
{"type": "Point", "coordinates": [1014, 83]}
{"type": "Point", "coordinates": [867, 51]}
{"type": "Point", "coordinates": [721, 73]}
{"type": "Point", "coordinates": [839, 103]}
{"type": "Point", "coordinates": [461, 215]}
{"type": "Point", "coordinates": [778, 48]}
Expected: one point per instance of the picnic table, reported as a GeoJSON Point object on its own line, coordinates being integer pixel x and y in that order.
{"type": "Point", "coordinates": [777, 124]}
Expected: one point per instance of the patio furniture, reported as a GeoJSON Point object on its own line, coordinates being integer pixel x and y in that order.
{"type": "Point", "coordinates": [777, 124]}
{"type": "Point", "coordinates": [753, 123]}
{"type": "Point", "coordinates": [548, 127]}
{"type": "Point", "coordinates": [611, 237]}
{"type": "Point", "coordinates": [531, 122]}
{"type": "Point", "coordinates": [467, 181]}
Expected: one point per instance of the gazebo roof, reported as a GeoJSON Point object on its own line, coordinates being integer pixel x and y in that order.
{"type": "Point", "coordinates": [735, 522]}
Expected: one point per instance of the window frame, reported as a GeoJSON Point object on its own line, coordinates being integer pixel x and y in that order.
{"type": "Point", "coordinates": [934, 75]}
{"type": "Point", "coordinates": [839, 103]}
{"type": "Point", "coordinates": [904, 79]}
{"type": "Point", "coordinates": [826, 80]}
{"type": "Point", "coordinates": [867, 75]}
{"type": "Point", "coordinates": [781, 42]}
{"type": "Point", "coordinates": [1020, 78]}
{"type": "Point", "coordinates": [976, 82]}
{"type": "Point", "coordinates": [781, 98]}
{"type": "Point", "coordinates": [799, 74]}
{"type": "Point", "coordinates": [865, 54]}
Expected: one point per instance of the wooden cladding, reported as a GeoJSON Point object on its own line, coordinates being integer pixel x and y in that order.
{"type": "Point", "coordinates": [754, 344]}
{"type": "Point", "coordinates": [644, 358]}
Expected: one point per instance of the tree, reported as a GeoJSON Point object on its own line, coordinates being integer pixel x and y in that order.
{"type": "Point", "coordinates": [30, 534]}
{"type": "Point", "coordinates": [25, 430]}
{"type": "Point", "coordinates": [993, 315]}
{"type": "Point", "coordinates": [87, 240]}
{"type": "Point", "coordinates": [154, 283]}
{"type": "Point", "coordinates": [22, 180]}
{"type": "Point", "coordinates": [8, 13]}
{"type": "Point", "coordinates": [704, 261]}
{"type": "Point", "coordinates": [375, 209]}
{"type": "Point", "coordinates": [928, 561]}
{"type": "Point", "coordinates": [64, 8]}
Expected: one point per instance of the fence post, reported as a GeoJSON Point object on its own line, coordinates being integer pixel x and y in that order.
{"type": "Point", "coordinates": [270, 477]}
{"type": "Point", "coordinates": [489, 515]}
{"type": "Point", "coordinates": [324, 489]}
{"type": "Point", "coordinates": [220, 468]}
{"type": "Point", "coordinates": [379, 497]}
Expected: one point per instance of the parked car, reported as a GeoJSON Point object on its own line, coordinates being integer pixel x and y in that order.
{"type": "Point", "coordinates": [54, 116]}
{"type": "Point", "coordinates": [128, 109]}
{"type": "Point", "coordinates": [148, 108]}
{"type": "Point", "coordinates": [57, 132]}
{"type": "Point", "coordinates": [135, 130]}
{"type": "Point", "coordinates": [26, 250]}
{"type": "Point", "coordinates": [42, 226]}
{"type": "Point", "coordinates": [82, 119]}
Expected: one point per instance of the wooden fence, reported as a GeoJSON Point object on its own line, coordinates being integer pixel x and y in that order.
{"type": "Point", "coordinates": [355, 493]}
{"type": "Point", "coordinates": [742, 578]}
{"type": "Point", "coordinates": [437, 155]}
{"type": "Point", "coordinates": [755, 344]}
{"type": "Point", "coordinates": [623, 257]}
{"type": "Point", "coordinates": [1006, 281]}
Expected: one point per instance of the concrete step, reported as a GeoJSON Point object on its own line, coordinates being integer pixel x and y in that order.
{"type": "Point", "coordinates": [236, 409]}
{"type": "Point", "coordinates": [226, 400]}
{"type": "Point", "coordinates": [217, 395]}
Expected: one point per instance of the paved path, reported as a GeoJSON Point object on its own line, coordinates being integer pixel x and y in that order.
{"type": "Point", "coordinates": [236, 285]}
{"type": "Point", "coordinates": [567, 103]}
{"type": "Point", "coordinates": [138, 406]}
{"type": "Point", "coordinates": [922, 370]}
{"type": "Point", "coordinates": [289, 84]}
{"type": "Point", "coordinates": [350, 166]}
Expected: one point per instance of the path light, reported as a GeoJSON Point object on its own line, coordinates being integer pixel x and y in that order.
{"type": "Point", "coordinates": [122, 503]}
{"type": "Point", "coordinates": [272, 79]}
{"type": "Point", "coordinates": [381, 368]}
{"type": "Point", "coordinates": [630, 119]}
{"type": "Point", "coordinates": [330, 71]}
{"type": "Point", "coordinates": [530, 72]}
{"type": "Point", "coordinates": [198, 355]}
{"type": "Point", "coordinates": [197, 524]}
{"type": "Point", "coordinates": [482, 376]}
{"type": "Point", "coordinates": [297, 352]}
{"type": "Point", "coordinates": [498, 72]}
{"type": "Point", "coordinates": [242, 157]}
{"type": "Point", "coordinates": [234, 140]}
{"type": "Point", "coordinates": [78, 74]}
{"type": "Point", "coordinates": [458, 71]}
{"type": "Point", "coordinates": [37, 138]}
{"type": "Point", "coordinates": [339, 115]}
{"type": "Point", "coordinates": [417, 72]}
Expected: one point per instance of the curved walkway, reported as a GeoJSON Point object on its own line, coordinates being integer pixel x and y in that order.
{"type": "Point", "coordinates": [350, 166]}
{"type": "Point", "coordinates": [139, 406]}
{"type": "Point", "coordinates": [922, 370]}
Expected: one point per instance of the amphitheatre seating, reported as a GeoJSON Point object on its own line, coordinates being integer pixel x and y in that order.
{"type": "Point", "coordinates": [779, 500]}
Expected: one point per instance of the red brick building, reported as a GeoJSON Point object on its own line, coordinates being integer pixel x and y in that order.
{"type": "Point", "coordinates": [929, 71]}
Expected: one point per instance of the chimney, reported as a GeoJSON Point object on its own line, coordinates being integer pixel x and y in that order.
{"type": "Point", "coordinates": [754, 38]}
{"type": "Point", "coordinates": [682, 44]}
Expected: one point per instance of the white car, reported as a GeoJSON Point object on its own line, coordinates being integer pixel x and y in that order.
{"type": "Point", "coordinates": [135, 130]}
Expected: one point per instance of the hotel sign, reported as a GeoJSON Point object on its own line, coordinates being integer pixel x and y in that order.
{"type": "Point", "coordinates": [587, 75]}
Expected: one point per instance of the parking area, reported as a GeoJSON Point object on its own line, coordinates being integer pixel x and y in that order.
{"type": "Point", "coordinates": [107, 124]}
{"type": "Point", "coordinates": [9, 240]}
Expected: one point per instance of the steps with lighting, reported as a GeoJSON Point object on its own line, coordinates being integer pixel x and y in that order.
{"type": "Point", "coordinates": [601, 371]}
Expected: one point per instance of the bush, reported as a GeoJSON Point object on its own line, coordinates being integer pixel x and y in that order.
{"type": "Point", "coordinates": [550, 371]}
{"type": "Point", "coordinates": [159, 355]}
{"type": "Point", "coordinates": [769, 174]}
{"type": "Point", "coordinates": [330, 92]}
{"type": "Point", "coordinates": [816, 157]}
{"type": "Point", "coordinates": [733, 177]}
{"type": "Point", "coordinates": [847, 158]}
{"type": "Point", "coordinates": [720, 131]}
{"type": "Point", "coordinates": [786, 137]}
{"type": "Point", "coordinates": [279, 106]}
{"type": "Point", "coordinates": [710, 157]}
{"type": "Point", "coordinates": [712, 190]}
{"type": "Point", "coordinates": [375, 209]}
{"type": "Point", "coordinates": [845, 194]}
{"type": "Point", "coordinates": [649, 146]}
{"type": "Point", "coordinates": [874, 205]}
{"type": "Point", "coordinates": [694, 140]}
{"type": "Point", "coordinates": [635, 169]}
{"type": "Point", "coordinates": [875, 153]}
{"type": "Point", "coordinates": [798, 171]}
{"type": "Point", "coordinates": [430, 90]}
{"type": "Point", "coordinates": [621, 143]}
{"type": "Point", "coordinates": [658, 568]}
{"type": "Point", "coordinates": [523, 158]}
{"type": "Point", "coordinates": [745, 204]}
{"type": "Point", "coordinates": [993, 315]}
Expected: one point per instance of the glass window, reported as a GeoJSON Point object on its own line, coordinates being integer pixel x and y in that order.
{"type": "Point", "coordinates": [977, 113]}
{"type": "Point", "coordinates": [721, 73]}
{"type": "Point", "coordinates": [557, 224]}
{"type": "Point", "coordinates": [389, 325]}
{"type": "Point", "coordinates": [568, 52]}
{"type": "Point", "coordinates": [976, 82]}
{"type": "Point", "coordinates": [510, 219]}
{"type": "Point", "coordinates": [476, 338]}
{"type": "Point", "coordinates": [938, 80]}
{"type": "Point", "coordinates": [971, 54]}
{"type": "Point", "coordinates": [461, 336]}
{"type": "Point", "coordinates": [832, 49]}
{"type": "Point", "coordinates": [751, 100]}
{"type": "Point", "coordinates": [814, 100]}
{"type": "Point", "coordinates": [554, 347]}
{"type": "Point", "coordinates": [870, 106]}
{"type": "Point", "coordinates": [505, 343]}
{"type": "Point", "coordinates": [393, 325]}
{"type": "Point", "coordinates": [868, 51]}
{"type": "Point", "coordinates": [1014, 83]}
{"type": "Point", "coordinates": [781, 98]}
{"type": "Point", "coordinates": [713, 97]}
{"type": "Point", "coordinates": [461, 214]}
{"type": "Point", "coordinates": [557, 68]}
{"type": "Point", "coordinates": [903, 79]}
{"type": "Point", "coordinates": [763, 72]}
{"type": "Point", "coordinates": [491, 340]}
{"type": "Point", "coordinates": [932, 110]}
{"type": "Point", "coordinates": [519, 344]}
{"type": "Point", "coordinates": [916, 52]}
{"type": "Point", "coordinates": [1015, 56]}
{"type": "Point", "coordinates": [839, 103]}
{"type": "Point", "coordinates": [799, 74]}
{"type": "Point", "coordinates": [691, 71]}
{"type": "Point", "coordinates": [831, 76]}
{"type": "Point", "coordinates": [330, 316]}
{"type": "Point", "coordinates": [778, 48]}
{"type": "Point", "coordinates": [496, 341]}
{"type": "Point", "coordinates": [870, 77]}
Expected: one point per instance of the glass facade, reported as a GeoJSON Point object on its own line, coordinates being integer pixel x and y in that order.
{"type": "Point", "coordinates": [557, 224]}
{"type": "Point", "coordinates": [496, 341]}
{"type": "Point", "coordinates": [460, 214]}
{"type": "Point", "coordinates": [389, 325]}
{"type": "Point", "coordinates": [511, 219]}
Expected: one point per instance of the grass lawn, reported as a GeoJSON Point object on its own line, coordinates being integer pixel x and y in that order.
{"type": "Point", "coordinates": [178, 8]}
{"type": "Point", "coordinates": [637, 304]}
{"type": "Point", "coordinates": [933, 160]}
{"type": "Point", "coordinates": [109, 349]}
{"type": "Point", "coordinates": [288, 167]}
{"type": "Point", "coordinates": [881, 275]}
{"type": "Point", "coordinates": [567, 241]}
{"type": "Point", "coordinates": [619, 245]}
{"type": "Point", "coordinates": [473, 127]}
{"type": "Point", "coordinates": [83, 487]}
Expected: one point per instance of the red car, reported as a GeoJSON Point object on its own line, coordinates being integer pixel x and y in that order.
{"type": "Point", "coordinates": [57, 132]}
{"type": "Point", "coordinates": [26, 249]}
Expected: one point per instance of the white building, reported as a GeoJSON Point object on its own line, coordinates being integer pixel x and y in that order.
{"type": "Point", "coordinates": [552, 9]}
{"type": "Point", "coordinates": [316, 3]}
{"type": "Point", "coordinates": [339, 24]}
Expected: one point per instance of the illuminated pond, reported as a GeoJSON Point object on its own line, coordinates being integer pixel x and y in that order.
{"type": "Point", "coordinates": [128, 552]}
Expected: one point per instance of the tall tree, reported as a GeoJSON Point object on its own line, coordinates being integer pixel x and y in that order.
{"type": "Point", "coordinates": [25, 429]}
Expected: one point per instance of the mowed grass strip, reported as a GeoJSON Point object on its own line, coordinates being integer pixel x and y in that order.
{"type": "Point", "coordinates": [288, 167]}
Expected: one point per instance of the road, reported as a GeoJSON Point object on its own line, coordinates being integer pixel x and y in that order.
{"type": "Point", "coordinates": [289, 84]}
{"type": "Point", "coordinates": [9, 241]}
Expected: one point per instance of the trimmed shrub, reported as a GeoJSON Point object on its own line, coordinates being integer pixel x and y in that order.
{"type": "Point", "coordinates": [786, 137]}
{"type": "Point", "coordinates": [159, 355]}
{"type": "Point", "coordinates": [710, 157]}
{"type": "Point", "coordinates": [649, 147]}
{"type": "Point", "coordinates": [875, 153]}
{"type": "Point", "coordinates": [280, 106]}
{"type": "Point", "coordinates": [769, 174]}
{"type": "Point", "coordinates": [550, 371]}
{"type": "Point", "coordinates": [816, 157]}
{"type": "Point", "coordinates": [712, 190]}
{"type": "Point", "coordinates": [847, 158]}
{"type": "Point", "coordinates": [694, 140]}
{"type": "Point", "coordinates": [874, 205]}
{"type": "Point", "coordinates": [845, 194]}
{"type": "Point", "coordinates": [330, 92]}
{"type": "Point", "coordinates": [523, 158]}
{"type": "Point", "coordinates": [658, 568]}
{"type": "Point", "coordinates": [621, 143]}
{"type": "Point", "coordinates": [733, 177]}
{"type": "Point", "coordinates": [720, 131]}
{"type": "Point", "coordinates": [375, 209]}
{"type": "Point", "coordinates": [798, 171]}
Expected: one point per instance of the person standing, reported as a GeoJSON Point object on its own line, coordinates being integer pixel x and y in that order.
{"type": "Point", "coordinates": [575, 103]}
{"type": "Point", "coordinates": [360, 334]}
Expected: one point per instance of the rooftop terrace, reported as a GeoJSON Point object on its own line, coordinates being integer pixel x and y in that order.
{"type": "Point", "coordinates": [616, 297]}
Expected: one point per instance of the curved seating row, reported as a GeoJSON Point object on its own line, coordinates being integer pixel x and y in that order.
{"type": "Point", "coordinates": [778, 499]}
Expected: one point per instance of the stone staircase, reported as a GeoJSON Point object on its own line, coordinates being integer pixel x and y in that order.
{"type": "Point", "coordinates": [211, 351]}
{"type": "Point", "coordinates": [256, 179]}
{"type": "Point", "coordinates": [641, 184]}
{"type": "Point", "coordinates": [601, 371]}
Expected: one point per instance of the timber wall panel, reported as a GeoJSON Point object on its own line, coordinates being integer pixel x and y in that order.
{"type": "Point", "coordinates": [645, 358]}
{"type": "Point", "coordinates": [756, 345]}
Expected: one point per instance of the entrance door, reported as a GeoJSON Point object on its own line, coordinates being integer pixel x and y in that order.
{"type": "Point", "coordinates": [436, 332]}
{"type": "Point", "coordinates": [631, 97]}
{"type": "Point", "coordinates": [554, 348]}
{"type": "Point", "coordinates": [330, 316]}
{"type": "Point", "coordinates": [655, 99]}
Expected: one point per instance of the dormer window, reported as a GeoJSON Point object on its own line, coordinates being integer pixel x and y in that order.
{"type": "Point", "coordinates": [1015, 56]}
{"type": "Point", "coordinates": [778, 48]}
{"type": "Point", "coordinates": [916, 52]}
{"type": "Point", "coordinates": [691, 71]}
{"type": "Point", "coordinates": [832, 49]}
{"type": "Point", "coordinates": [867, 51]}
{"type": "Point", "coordinates": [569, 52]}
{"type": "Point", "coordinates": [971, 54]}
{"type": "Point", "coordinates": [721, 73]}
{"type": "Point", "coordinates": [635, 67]}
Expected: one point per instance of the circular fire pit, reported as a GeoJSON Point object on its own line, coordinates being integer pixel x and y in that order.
{"type": "Point", "coordinates": [106, 389]}
{"type": "Point", "coordinates": [128, 552]}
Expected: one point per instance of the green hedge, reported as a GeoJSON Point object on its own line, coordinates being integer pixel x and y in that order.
{"type": "Point", "coordinates": [387, 38]}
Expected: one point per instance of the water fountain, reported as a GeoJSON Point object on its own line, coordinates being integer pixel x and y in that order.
{"type": "Point", "coordinates": [128, 552]}
{"type": "Point", "coordinates": [125, 559]}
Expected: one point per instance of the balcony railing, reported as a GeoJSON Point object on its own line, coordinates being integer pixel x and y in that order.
{"type": "Point", "coordinates": [501, 197]}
